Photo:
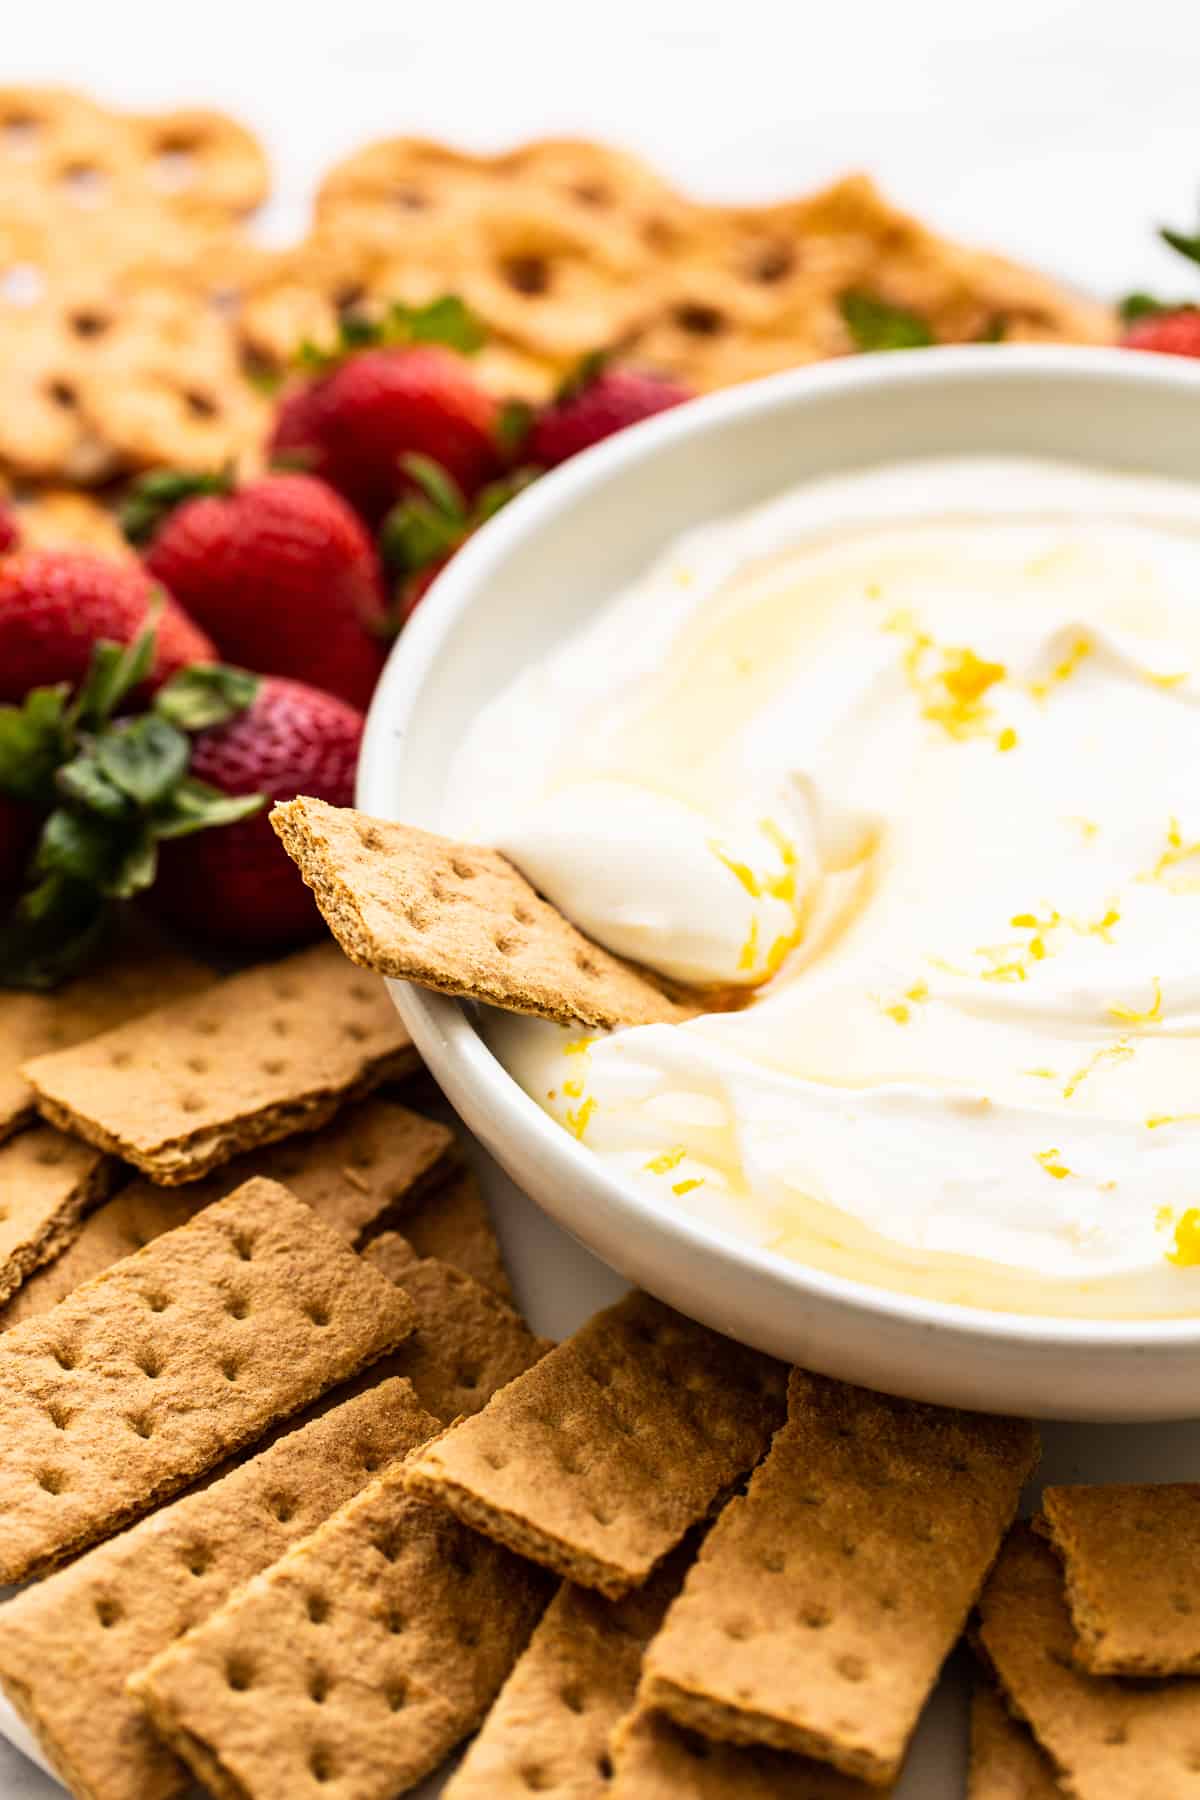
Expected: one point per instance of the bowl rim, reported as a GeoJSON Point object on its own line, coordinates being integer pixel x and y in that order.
{"type": "Point", "coordinates": [444, 1022]}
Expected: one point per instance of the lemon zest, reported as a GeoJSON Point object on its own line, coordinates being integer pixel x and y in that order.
{"type": "Point", "coordinates": [685, 1187]}
{"type": "Point", "coordinates": [1186, 1254]}
{"type": "Point", "coordinates": [1128, 1016]}
{"type": "Point", "coordinates": [666, 1161]}
{"type": "Point", "coordinates": [742, 871]}
{"type": "Point", "coordinates": [750, 948]}
{"type": "Point", "coordinates": [578, 1121]}
{"type": "Point", "coordinates": [1008, 739]}
{"type": "Point", "coordinates": [578, 1046]}
{"type": "Point", "coordinates": [1062, 671]}
{"type": "Point", "coordinates": [573, 1089]}
{"type": "Point", "coordinates": [1158, 1119]}
{"type": "Point", "coordinates": [1118, 1052]}
{"type": "Point", "coordinates": [1049, 1162]}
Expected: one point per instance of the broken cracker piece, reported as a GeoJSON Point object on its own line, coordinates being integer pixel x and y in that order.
{"type": "Point", "coordinates": [1130, 1554]}
{"type": "Point", "coordinates": [269, 1052]}
{"type": "Point", "coordinates": [459, 919]}
{"type": "Point", "coordinates": [70, 1643]}
{"type": "Point", "coordinates": [1006, 1763]}
{"type": "Point", "coordinates": [151, 1374]}
{"type": "Point", "coordinates": [467, 1343]}
{"type": "Point", "coordinates": [655, 1759]}
{"type": "Point", "coordinates": [360, 1660]}
{"type": "Point", "coordinates": [369, 1166]}
{"type": "Point", "coordinates": [598, 1460]}
{"type": "Point", "coordinates": [1108, 1740]}
{"type": "Point", "coordinates": [550, 1725]}
{"type": "Point", "coordinates": [453, 1223]}
{"type": "Point", "coordinates": [133, 979]}
{"type": "Point", "coordinates": [47, 1184]}
{"type": "Point", "coordinates": [824, 1602]}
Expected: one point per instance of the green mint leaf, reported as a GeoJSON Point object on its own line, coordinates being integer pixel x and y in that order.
{"type": "Point", "coordinates": [1186, 244]}
{"type": "Point", "coordinates": [206, 694]}
{"type": "Point", "coordinates": [195, 807]}
{"type": "Point", "coordinates": [82, 784]}
{"type": "Point", "coordinates": [447, 320]}
{"type": "Point", "coordinates": [35, 738]}
{"type": "Point", "coordinates": [874, 324]}
{"type": "Point", "coordinates": [157, 494]}
{"type": "Point", "coordinates": [145, 759]}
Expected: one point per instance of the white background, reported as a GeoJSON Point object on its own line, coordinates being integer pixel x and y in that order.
{"type": "Point", "coordinates": [1058, 130]}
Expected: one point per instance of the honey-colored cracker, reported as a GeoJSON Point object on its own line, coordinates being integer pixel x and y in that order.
{"type": "Point", "coordinates": [459, 919]}
{"type": "Point", "coordinates": [549, 1728]}
{"type": "Point", "coordinates": [1129, 1554]}
{"type": "Point", "coordinates": [467, 1344]}
{"type": "Point", "coordinates": [47, 1183]}
{"type": "Point", "coordinates": [1006, 1763]}
{"type": "Point", "coordinates": [366, 1168]}
{"type": "Point", "coordinates": [148, 1376]}
{"type": "Point", "coordinates": [1108, 1739]}
{"type": "Point", "coordinates": [52, 518]}
{"type": "Point", "coordinates": [598, 1460]}
{"type": "Point", "coordinates": [655, 1759]}
{"type": "Point", "coordinates": [70, 1643]}
{"type": "Point", "coordinates": [132, 980]}
{"type": "Point", "coordinates": [273, 1051]}
{"type": "Point", "coordinates": [451, 1222]}
{"type": "Point", "coordinates": [360, 1660]}
{"type": "Point", "coordinates": [824, 1602]}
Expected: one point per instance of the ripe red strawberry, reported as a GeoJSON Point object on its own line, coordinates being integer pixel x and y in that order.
{"type": "Point", "coordinates": [282, 572]}
{"type": "Point", "coordinates": [593, 404]}
{"type": "Point", "coordinates": [1175, 333]}
{"type": "Point", "coordinates": [235, 884]}
{"type": "Point", "coordinates": [55, 604]}
{"type": "Point", "coordinates": [352, 425]}
{"type": "Point", "coordinates": [10, 534]}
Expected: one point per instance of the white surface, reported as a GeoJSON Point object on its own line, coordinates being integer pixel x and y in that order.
{"type": "Point", "coordinates": [1054, 129]}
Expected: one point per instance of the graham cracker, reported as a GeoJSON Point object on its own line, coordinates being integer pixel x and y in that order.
{"type": "Point", "coordinates": [550, 1726]}
{"type": "Point", "coordinates": [598, 1460]}
{"type": "Point", "coordinates": [360, 1660]}
{"type": "Point", "coordinates": [453, 1223]}
{"type": "Point", "coordinates": [70, 1643]}
{"type": "Point", "coordinates": [132, 980]}
{"type": "Point", "coordinates": [1107, 1739]}
{"type": "Point", "coordinates": [824, 1602]}
{"type": "Point", "coordinates": [51, 518]}
{"type": "Point", "coordinates": [372, 1163]}
{"type": "Point", "coordinates": [1006, 1763]}
{"type": "Point", "coordinates": [151, 1374]}
{"type": "Point", "coordinates": [655, 1759]}
{"type": "Point", "coordinates": [1130, 1554]}
{"type": "Point", "coordinates": [467, 1343]}
{"type": "Point", "coordinates": [47, 1183]}
{"type": "Point", "coordinates": [459, 919]}
{"type": "Point", "coordinates": [277, 1049]}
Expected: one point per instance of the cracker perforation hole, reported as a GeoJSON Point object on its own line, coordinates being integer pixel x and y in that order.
{"type": "Point", "coordinates": [396, 1694]}
{"type": "Point", "coordinates": [191, 1103]}
{"type": "Point", "coordinates": [64, 1356]}
{"type": "Point", "coordinates": [699, 320]}
{"type": "Point", "coordinates": [535, 1778]}
{"type": "Point", "coordinates": [851, 1668]}
{"type": "Point", "coordinates": [468, 1377]}
{"type": "Point", "coordinates": [355, 1031]}
{"type": "Point", "coordinates": [737, 1630]}
{"type": "Point", "coordinates": [157, 1302]}
{"type": "Point", "coordinates": [394, 1622]}
{"type": "Point", "coordinates": [197, 1562]}
{"type": "Point", "coordinates": [370, 838]}
{"type": "Point", "coordinates": [774, 1562]}
{"type": "Point", "coordinates": [237, 1306]}
{"type": "Point", "coordinates": [320, 1765]}
{"type": "Point", "coordinates": [388, 1548]}
{"type": "Point", "coordinates": [243, 1247]}
{"type": "Point", "coordinates": [273, 1065]}
{"type": "Point", "coordinates": [815, 1617]}
{"type": "Point", "coordinates": [58, 1415]}
{"type": "Point", "coordinates": [601, 1514]}
{"type": "Point", "coordinates": [604, 1766]}
{"type": "Point", "coordinates": [495, 1459]}
{"type": "Point", "coordinates": [121, 1059]}
{"type": "Point", "coordinates": [317, 1607]}
{"type": "Point", "coordinates": [506, 943]}
{"type": "Point", "coordinates": [1115, 1734]}
{"type": "Point", "coordinates": [199, 1065]}
{"type": "Point", "coordinates": [48, 1157]}
{"type": "Point", "coordinates": [371, 1460]}
{"type": "Point", "coordinates": [587, 965]}
{"type": "Point", "coordinates": [200, 404]}
{"type": "Point", "coordinates": [317, 1314]}
{"type": "Point", "coordinates": [522, 914]}
{"type": "Point", "coordinates": [150, 1364]}
{"type": "Point", "coordinates": [142, 1424]}
{"type": "Point", "coordinates": [19, 134]}
{"type": "Point", "coordinates": [107, 1613]}
{"type": "Point", "coordinates": [282, 1507]}
{"type": "Point", "coordinates": [239, 1675]}
{"type": "Point", "coordinates": [527, 274]}
{"type": "Point", "coordinates": [88, 324]}
{"type": "Point", "coordinates": [318, 1687]}
{"type": "Point", "coordinates": [462, 869]}
{"type": "Point", "coordinates": [229, 1368]}
{"type": "Point", "coordinates": [572, 1698]}
{"type": "Point", "coordinates": [51, 1481]}
{"type": "Point", "coordinates": [771, 262]}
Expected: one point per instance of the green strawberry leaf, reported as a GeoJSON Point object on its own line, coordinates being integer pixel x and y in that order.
{"type": "Point", "coordinates": [875, 324]}
{"type": "Point", "coordinates": [136, 870]}
{"type": "Point", "coordinates": [195, 806]}
{"type": "Point", "coordinates": [447, 320]}
{"type": "Point", "coordinates": [1186, 244]}
{"type": "Point", "coordinates": [437, 484]}
{"type": "Point", "coordinates": [115, 670]}
{"type": "Point", "coordinates": [79, 846]}
{"type": "Point", "coordinates": [588, 369]}
{"type": "Point", "coordinates": [156, 495]}
{"type": "Point", "coordinates": [206, 694]}
{"type": "Point", "coordinates": [145, 759]}
{"type": "Point", "coordinates": [497, 494]}
{"type": "Point", "coordinates": [57, 928]}
{"type": "Point", "coordinates": [513, 426]}
{"type": "Point", "coordinates": [34, 739]}
{"type": "Point", "coordinates": [84, 787]}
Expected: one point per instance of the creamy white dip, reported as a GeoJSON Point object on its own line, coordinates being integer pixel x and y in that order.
{"type": "Point", "coordinates": [910, 759]}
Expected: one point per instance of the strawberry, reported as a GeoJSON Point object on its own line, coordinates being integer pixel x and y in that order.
{"type": "Point", "coordinates": [88, 798]}
{"type": "Point", "coordinates": [1170, 327]}
{"type": "Point", "coordinates": [10, 533]}
{"type": "Point", "coordinates": [422, 533]}
{"type": "Point", "coordinates": [593, 403]}
{"type": "Point", "coordinates": [1173, 332]}
{"type": "Point", "coordinates": [400, 386]}
{"type": "Point", "coordinates": [55, 605]}
{"type": "Point", "coordinates": [282, 572]}
{"type": "Point", "coordinates": [237, 885]}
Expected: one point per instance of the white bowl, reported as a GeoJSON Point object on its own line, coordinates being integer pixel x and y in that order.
{"type": "Point", "coordinates": [539, 570]}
